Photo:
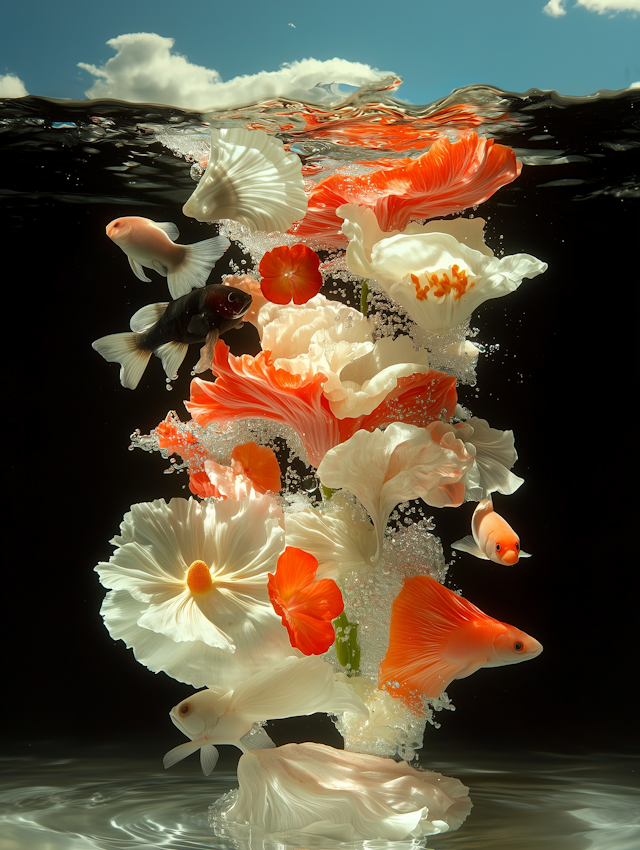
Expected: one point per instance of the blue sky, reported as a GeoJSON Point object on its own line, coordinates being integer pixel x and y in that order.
{"type": "Point", "coordinates": [582, 46]}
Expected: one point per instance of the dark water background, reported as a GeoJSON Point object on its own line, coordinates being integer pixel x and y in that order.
{"type": "Point", "coordinates": [84, 726]}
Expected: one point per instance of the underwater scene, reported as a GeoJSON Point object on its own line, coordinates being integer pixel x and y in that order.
{"type": "Point", "coordinates": [319, 473]}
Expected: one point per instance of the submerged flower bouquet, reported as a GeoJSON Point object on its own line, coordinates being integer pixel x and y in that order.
{"type": "Point", "coordinates": [320, 591]}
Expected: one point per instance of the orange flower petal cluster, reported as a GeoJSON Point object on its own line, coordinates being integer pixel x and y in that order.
{"type": "Point", "coordinates": [290, 273]}
{"type": "Point", "coordinates": [306, 607]}
{"type": "Point", "coordinates": [251, 387]}
{"type": "Point", "coordinates": [185, 444]}
{"type": "Point", "coordinates": [449, 178]}
{"type": "Point", "coordinates": [260, 465]}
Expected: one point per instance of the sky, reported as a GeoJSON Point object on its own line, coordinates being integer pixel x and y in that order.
{"type": "Point", "coordinates": [219, 53]}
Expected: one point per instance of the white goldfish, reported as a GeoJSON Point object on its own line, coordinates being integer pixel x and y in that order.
{"type": "Point", "coordinates": [151, 244]}
{"type": "Point", "coordinates": [294, 686]}
{"type": "Point", "coordinates": [493, 538]}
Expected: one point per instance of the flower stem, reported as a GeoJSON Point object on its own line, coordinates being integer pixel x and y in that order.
{"type": "Point", "coordinates": [347, 648]}
{"type": "Point", "coordinates": [363, 296]}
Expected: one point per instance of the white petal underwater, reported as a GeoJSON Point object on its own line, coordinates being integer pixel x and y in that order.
{"type": "Point", "coordinates": [250, 178]}
{"type": "Point", "coordinates": [334, 794]}
{"type": "Point", "coordinates": [200, 627]}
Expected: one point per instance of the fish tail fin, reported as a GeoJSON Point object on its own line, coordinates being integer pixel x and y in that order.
{"type": "Point", "coordinates": [423, 616]}
{"type": "Point", "coordinates": [124, 349]}
{"type": "Point", "coordinates": [180, 752]}
{"type": "Point", "coordinates": [255, 739]}
{"type": "Point", "coordinates": [208, 758]}
{"type": "Point", "coordinates": [172, 354]}
{"type": "Point", "coordinates": [196, 266]}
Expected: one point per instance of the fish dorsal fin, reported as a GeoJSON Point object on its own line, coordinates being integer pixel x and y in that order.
{"type": "Point", "coordinates": [146, 317]}
{"type": "Point", "coordinates": [208, 758]}
{"type": "Point", "coordinates": [138, 271]}
{"type": "Point", "coordinates": [172, 354]}
{"type": "Point", "coordinates": [198, 325]}
{"type": "Point", "coordinates": [180, 752]}
{"type": "Point", "coordinates": [255, 739]}
{"type": "Point", "coordinates": [468, 544]}
{"type": "Point", "coordinates": [424, 617]}
{"type": "Point", "coordinates": [169, 228]}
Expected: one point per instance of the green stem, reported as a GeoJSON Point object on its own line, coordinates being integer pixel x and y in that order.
{"type": "Point", "coordinates": [347, 648]}
{"type": "Point", "coordinates": [363, 297]}
{"type": "Point", "coordinates": [327, 492]}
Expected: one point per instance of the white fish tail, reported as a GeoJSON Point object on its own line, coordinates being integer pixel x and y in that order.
{"type": "Point", "coordinates": [172, 354]}
{"type": "Point", "coordinates": [123, 349]}
{"type": "Point", "coordinates": [196, 266]}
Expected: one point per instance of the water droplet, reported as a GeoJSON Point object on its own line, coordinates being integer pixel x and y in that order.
{"type": "Point", "coordinates": [169, 387]}
{"type": "Point", "coordinates": [196, 172]}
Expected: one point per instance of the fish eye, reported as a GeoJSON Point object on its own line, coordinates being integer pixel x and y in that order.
{"type": "Point", "coordinates": [517, 547]}
{"type": "Point", "coordinates": [518, 646]}
{"type": "Point", "coordinates": [184, 708]}
{"type": "Point", "coordinates": [232, 296]}
{"type": "Point", "coordinates": [498, 547]}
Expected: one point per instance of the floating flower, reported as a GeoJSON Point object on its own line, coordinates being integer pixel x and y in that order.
{"type": "Point", "coordinates": [306, 607]}
{"type": "Point", "coordinates": [250, 178]}
{"type": "Point", "coordinates": [189, 591]}
{"type": "Point", "coordinates": [290, 273]}
{"type": "Point", "coordinates": [403, 462]}
{"type": "Point", "coordinates": [287, 331]}
{"type": "Point", "coordinates": [495, 454]}
{"type": "Point", "coordinates": [439, 272]}
{"type": "Point", "coordinates": [252, 387]}
{"type": "Point", "coordinates": [449, 178]}
{"type": "Point", "coordinates": [343, 796]}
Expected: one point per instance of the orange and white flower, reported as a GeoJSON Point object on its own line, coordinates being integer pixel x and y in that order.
{"type": "Point", "coordinates": [439, 272]}
{"type": "Point", "coordinates": [403, 462]}
{"type": "Point", "coordinates": [188, 589]}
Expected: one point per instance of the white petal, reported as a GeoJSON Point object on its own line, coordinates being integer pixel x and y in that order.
{"type": "Point", "coordinates": [251, 179]}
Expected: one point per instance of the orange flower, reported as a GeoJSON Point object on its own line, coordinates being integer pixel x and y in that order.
{"type": "Point", "coordinates": [251, 387]}
{"type": "Point", "coordinates": [306, 606]}
{"type": "Point", "coordinates": [290, 272]}
{"type": "Point", "coordinates": [260, 466]}
{"type": "Point", "coordinates": [447, 179]}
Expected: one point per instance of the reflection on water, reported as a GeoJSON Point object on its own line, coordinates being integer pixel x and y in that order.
{"type": "Point", "coordinates": [551, 801]}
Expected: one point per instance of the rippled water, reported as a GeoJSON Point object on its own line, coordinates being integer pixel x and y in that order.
{"type": "Point", "coordinates": [521, 803]}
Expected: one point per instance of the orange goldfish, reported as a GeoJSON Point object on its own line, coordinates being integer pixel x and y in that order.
{"type": "Point", "coordinates": [437, 636]}
{"type": "Point", "coordinates": [150, 244]}
{"type": "Point", "coordinates": [493, 538]}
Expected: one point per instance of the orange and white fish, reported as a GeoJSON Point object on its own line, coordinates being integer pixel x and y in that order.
{"type": "Point", "coordinates": [151, 244]}
{"type": "Point", "coordinates": [437, 636]}
{"type": "Point", "coordinates": [493, 538]}
{"type": "Point", "coordinates": [294, 686]}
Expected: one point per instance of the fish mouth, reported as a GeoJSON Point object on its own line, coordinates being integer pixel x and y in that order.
{"type": "Point", "coordinates": [245, 309]}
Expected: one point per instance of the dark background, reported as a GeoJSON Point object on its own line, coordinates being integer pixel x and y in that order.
{"type": "Point", "coordinates": [564, 379]}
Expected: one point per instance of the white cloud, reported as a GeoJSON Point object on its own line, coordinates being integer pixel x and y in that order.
{"type": "Point", "coordinates": [145, 70]}
{"type": "Point", "coordinates": [555, 8]}
{"type": "Point", "coordinates": [12, 86]}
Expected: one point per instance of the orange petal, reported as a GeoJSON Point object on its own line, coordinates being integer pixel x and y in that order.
{"type": "Point", "coordinates": [290, 273]}
{"type": "Point", "coordinates": [260, 465]}
{"type": "Point", "coordinates": [310, 636]}
{"type": "Point", "coordinates": [320, 599]}
{"type": "Point", "coordinates": [295, 570]}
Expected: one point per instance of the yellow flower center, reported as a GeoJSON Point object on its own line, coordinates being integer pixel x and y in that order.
{"type": "Point", "coordinates": [199, 578]}
{"type": "Point", "coordinates": [442, 284]}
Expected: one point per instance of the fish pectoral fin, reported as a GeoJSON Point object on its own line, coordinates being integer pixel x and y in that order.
{"type": "Point", "coordinates": [180, 752]}
{"type": "Point", "coordinates": [194, 270]}
{"type": "Point", "coordinates": [524, 554]}
{"type": "Point", "coordinates": [139, 271]}
{"type": "Point", "coordinates": [160, 268]}
{"type": "Point", "coordinates": [255, 739]}
{"type": "Point", "coordinates": [198, 326]}
{"type": "Point", "coordinates": [172, 354]}
{"type": "Point", "coordinates": [123, 349]}
{"type": "Point", "coordinates": [468, 544]}
{"type": "Point", "coordinates": [169, 228]}
{"type": "Point", "coordinates": [146, 317]}
{"type": "Point", "coordinates": [208, 758]}
{"type": "Point", "coordinates": [206, 352]}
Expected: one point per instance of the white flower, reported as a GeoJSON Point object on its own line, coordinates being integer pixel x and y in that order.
{"type": "Point", "coordinates": [439, 272]}
{"type": "Point", "coordinates": [340, 795]}
{"type": "Point", "coordinates": [384, 468]}
{"type": "Point", "coordinates": [327, 337]}
{"type": "Point", "coordinates": [495, 454]}
{"type": "Point", "coordinates": [189, 592]}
